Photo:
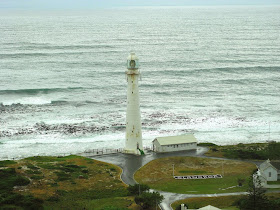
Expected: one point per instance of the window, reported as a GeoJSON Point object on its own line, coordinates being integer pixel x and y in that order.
{"type": "Point", "coordinates": [269, 174]}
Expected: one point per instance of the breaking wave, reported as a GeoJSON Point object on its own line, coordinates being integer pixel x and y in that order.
{"type": "Point", "coordinates": [33, 101]}
{"type": "Point", "coordinates": [38, 91]}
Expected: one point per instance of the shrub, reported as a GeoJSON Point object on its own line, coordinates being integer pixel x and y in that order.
{"type": "Point", "coordinates": [137, 189]}
{"type": "Point", "coordinates": [147, 199]}
{"type": "Point", "coordinates": [53, 199]}
{"type": "Point", "coordinates": [72, 166]}
{"type": "Point", "coordinates": [85, 171]}
{"type": "Point", "coordinates": [33, 172]}
{"type": "Point", "coordinates": [240, 181]}
{"type": "Point", "coordinates": [49, 166]}
{"type": "Point", "coordinates": [32, 167]}
{"type": "Point", "coordinates": [61, 176]}
{"type": "Point", "coordinates": [35, 177]}
{"type": "Point", "coordinates": [206, 144]}
{"type": "Point", "coordinates": [7, 172]}
{"type": "Point", "coordinates": [214, 149]}
{"type": "Point", "coordinates": [23, 201]}
{"type": "Point", "coordinates": [21, 181]}
{"type": "Point", "coordinates": [9, 179]}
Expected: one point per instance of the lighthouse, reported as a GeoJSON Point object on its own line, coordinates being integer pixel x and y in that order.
{"type": "Point", "coordinates": [133, 137]}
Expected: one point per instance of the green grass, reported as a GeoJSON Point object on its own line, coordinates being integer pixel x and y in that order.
{"type": "Point", "coordinates": [48, 166]}
{"type": "Point", "coordinates": [202, 186]}
{"type": "Point", "coordinates": [231, 208]}
{"type": "Point", "coordinates": [36, 177]}
{"type": "Point", "coordinates": [33, 172]}
{"type": "Point", "coordinates": [31, 166]}
{"type": "Point", "coordinates": [9, 179]}
{"type": "Point", "coordinates": [193, 172]}
{"type": "Point", "coordinates": [273, 182]}
{"type": "Point", "coordinates": [7, 163]}
{"type": "Point", "coordinates": [256, 151]}
{"type": "Point", "coordinates": [158, 175]}
{"type": "Point", "coordinates": [98, 204]}
{"type": "Point", "coordinates": [223, 202]}
{"type": "Point", "coordinates": [206, 144]}
{"type": "Point", "coordinates": [108, 202]}
{"type": "Point", "coordinates": [88, 199]}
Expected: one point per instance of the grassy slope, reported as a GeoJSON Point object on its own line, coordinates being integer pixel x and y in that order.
{"type": "Point", "coordinates": [158, 175]}
{"type": "Point", "coordinates": [255, 151]}
{"type": "Point", "coordinates": [72, 182]}
{"type": "Point", "coordinates": [225, 151]}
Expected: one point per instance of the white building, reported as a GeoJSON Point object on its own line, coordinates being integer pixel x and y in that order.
{"type": "Point", "coordinates": [133, 137]}
{"type": "Point", "coordinates": [270, 171]}
{"type": "Point", "coordinates": [174, 143]}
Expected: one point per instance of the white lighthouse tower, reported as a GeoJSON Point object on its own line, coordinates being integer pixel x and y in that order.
{"type": "Point", "coordinates": [133, 137]}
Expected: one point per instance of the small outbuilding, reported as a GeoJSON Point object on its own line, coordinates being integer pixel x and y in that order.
{"type": "Point", "coordinates": [174, 143]}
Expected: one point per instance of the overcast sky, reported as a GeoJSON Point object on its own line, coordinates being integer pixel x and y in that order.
{"type": "Point", "coordinates": [92, 4]}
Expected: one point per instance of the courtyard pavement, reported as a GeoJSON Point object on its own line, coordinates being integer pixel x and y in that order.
{"type": "Point", "coordinates": [131, 163]}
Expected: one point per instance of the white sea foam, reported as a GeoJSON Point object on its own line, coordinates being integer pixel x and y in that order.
{"type": "Point", "coordinates": [28, 100]}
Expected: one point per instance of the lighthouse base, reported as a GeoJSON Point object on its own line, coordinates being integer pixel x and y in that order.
{"type": "Point", "coordinates": [132, 151]}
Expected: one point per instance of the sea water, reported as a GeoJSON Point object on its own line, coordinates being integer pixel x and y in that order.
{"type": "Point", "coordinates": [211, 71]}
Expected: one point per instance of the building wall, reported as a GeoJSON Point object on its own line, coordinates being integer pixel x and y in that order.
{"type": "Point", "coordinates": [273, 172]}
{"type": "Point", "coordinates": [174, 147]}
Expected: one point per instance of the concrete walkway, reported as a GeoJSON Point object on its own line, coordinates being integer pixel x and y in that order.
{"type": "Point", "coordinates": [131, 163]}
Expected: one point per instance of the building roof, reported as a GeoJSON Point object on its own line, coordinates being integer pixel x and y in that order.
{"type": "Point", "coordinates": [276, 165]}
{"type": "Point", "coordinates": [267, 163]}
{"type": "Point", "coordinates": [169, 140]}
{"type": "Point", "coordinates": [209, 207]}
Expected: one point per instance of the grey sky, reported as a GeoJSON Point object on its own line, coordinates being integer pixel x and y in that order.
{"type": "Point", "coordinates": [91, 4]}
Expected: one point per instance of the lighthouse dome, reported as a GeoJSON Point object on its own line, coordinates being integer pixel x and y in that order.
{"type": "Point", "coordinates": [132, 62]}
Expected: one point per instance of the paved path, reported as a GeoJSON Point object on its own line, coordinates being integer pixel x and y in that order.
{"type": "Point", "coordinates": [131, 163]}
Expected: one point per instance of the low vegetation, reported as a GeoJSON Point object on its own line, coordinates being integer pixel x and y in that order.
{"type": "Point", "coordinates": [158, 174]}
{"type": "Point", "coordinates": [6, 163]}
{"type": "Point", "coordinates": [256, 151]}
{"type": "Point", "coordinates": [8, 198]}
{"type": "Point", "coordinates": [70, 182]}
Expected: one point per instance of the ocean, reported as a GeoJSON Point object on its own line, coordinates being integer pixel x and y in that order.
{"type": "Point", "coordinates": [211, 71]}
